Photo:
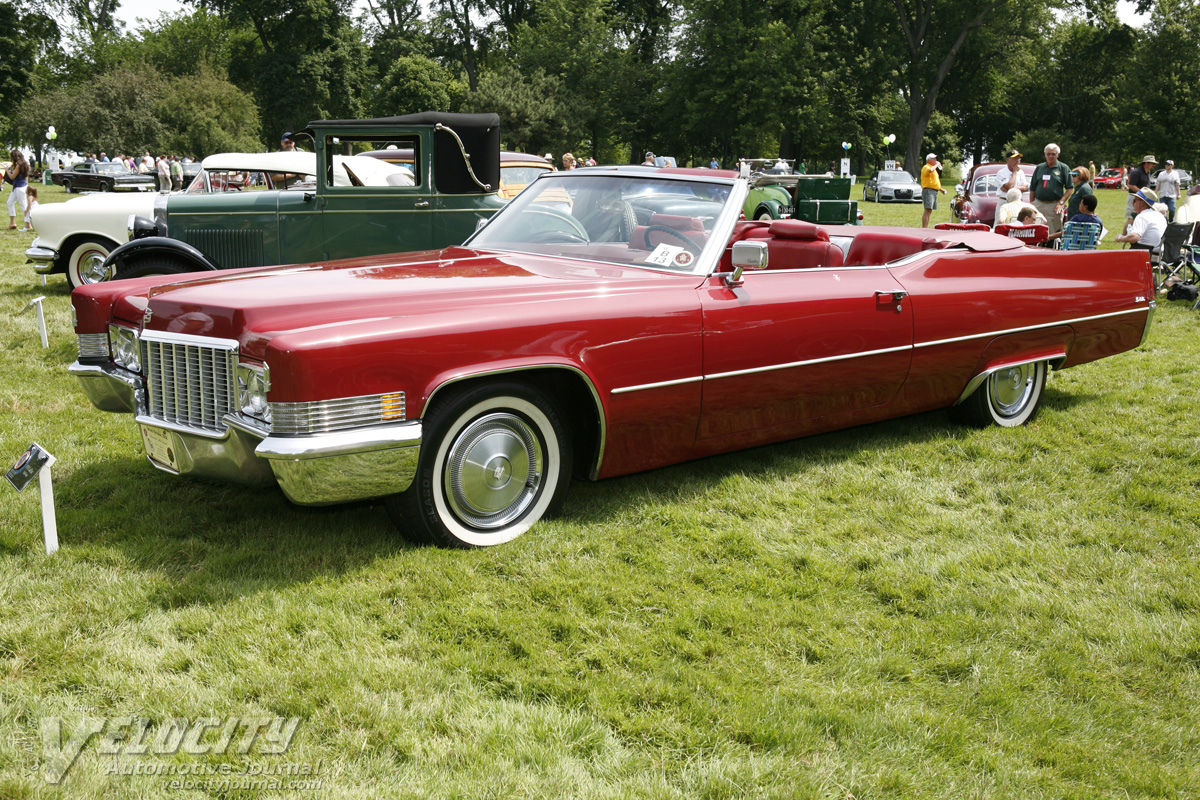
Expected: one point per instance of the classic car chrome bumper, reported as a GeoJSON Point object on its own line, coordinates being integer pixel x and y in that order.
{"type": "Point", "coordinates": [42, 258]}
{"type": "Point", "coordinates": [314, 469]}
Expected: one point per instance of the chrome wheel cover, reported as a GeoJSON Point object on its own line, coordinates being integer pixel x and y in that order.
{"type": "Point", "coordinates": [1012, 388]}
{"type": "Point", "coordinates": [91, 268]}
{"type": "Point", "coordinates": [494, 470]}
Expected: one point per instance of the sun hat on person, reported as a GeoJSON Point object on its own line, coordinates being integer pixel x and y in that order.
{"type": "Point", "coordinates": [1147, 196]}
{"type": "Point", "coordinates": [1149, 160]}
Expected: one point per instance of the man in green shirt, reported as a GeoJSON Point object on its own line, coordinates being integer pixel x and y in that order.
{"type": "Point", "coordinates": [1051, 187]}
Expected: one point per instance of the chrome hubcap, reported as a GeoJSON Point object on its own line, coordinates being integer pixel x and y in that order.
{"type": "Point", "coordinates": [1011, 388]}
{"type": "Point", "coordinates": [91, 268]}
{"type": "Point", "coordinates": [493, 470]}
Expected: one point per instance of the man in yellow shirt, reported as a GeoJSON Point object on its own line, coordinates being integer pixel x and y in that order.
{"type": "Point", "coordinates": [931, 184]}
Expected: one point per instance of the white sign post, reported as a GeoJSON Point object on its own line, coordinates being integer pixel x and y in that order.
{"type": "Point", "coordinates": [41, 316]}
{"type": "Point", "coordinates": [36, 461]}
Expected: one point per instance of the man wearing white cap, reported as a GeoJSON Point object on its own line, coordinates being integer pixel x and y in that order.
{"type": "Point", "coordinates": [1148, 226]}
{"type": "Point", "coordinates": [931, 184]}
{"type": "Point", "coordinates": [1168, 188]}
{"type": "Point", "coordinates": [1010, 176]}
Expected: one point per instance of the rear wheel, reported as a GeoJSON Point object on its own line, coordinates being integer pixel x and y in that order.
{"type": "Point", "coordinates": [1008, 397]}
{"type": "Point", "coordinates": [85, 263]}
{"type": "Point", "coordinates": [495, 459]}
{"type": "Point", "coordinates": [153, 265]}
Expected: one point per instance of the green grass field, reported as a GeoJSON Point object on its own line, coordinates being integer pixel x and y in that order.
{"type": "Point", "coordinates": [906, 610]}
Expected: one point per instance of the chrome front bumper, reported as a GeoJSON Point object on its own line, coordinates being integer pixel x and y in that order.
{"type": "Point", "coordinates": [42, 258]}
{"type": "Point", "coordinates": [317, 469]}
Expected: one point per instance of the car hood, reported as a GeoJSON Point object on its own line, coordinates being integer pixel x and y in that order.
{"type": "Point", "coordinates": [328, 300]}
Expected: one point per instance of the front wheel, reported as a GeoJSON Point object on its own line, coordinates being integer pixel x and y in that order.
{"type": "Point", "coordinates": [66, 186]}
{"type": "Point", "coordinates": [85, 263]}
{"type": "Point", "coordinates": [105, 186]}
{"type": "Point", "coordinates": [153, 265]}
{"type": "Point", "coordinates": [1008, 397]}
{"type": "Point", "coordinates": [764, 214]}
{"type": "Point", "coordinates": [494, 460]}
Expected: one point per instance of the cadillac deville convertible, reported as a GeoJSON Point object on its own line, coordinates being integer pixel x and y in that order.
{"type": "Point", "coordinates": [606, 321]}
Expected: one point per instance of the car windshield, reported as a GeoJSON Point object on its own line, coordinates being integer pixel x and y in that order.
{"type": "Point", "coordinates": [637, 219]}
{"type": "Point", "coordinates": [111, 169]}
{"type": "Point", "coordinates": [895, 176]}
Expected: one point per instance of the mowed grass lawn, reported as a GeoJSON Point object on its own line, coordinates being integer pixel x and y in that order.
{"type": "Point", "coordinates": [906, 610]}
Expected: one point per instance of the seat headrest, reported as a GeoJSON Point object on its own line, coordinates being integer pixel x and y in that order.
{"type": "Point", "coordinates": [798, 229]}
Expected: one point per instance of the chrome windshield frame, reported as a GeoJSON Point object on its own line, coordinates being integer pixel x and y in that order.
{"type": "Point", "coordinates": [709, 259]}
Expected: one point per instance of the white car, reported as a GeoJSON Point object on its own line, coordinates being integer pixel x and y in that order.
{"type": "Point", "coordinates": [76, 237]}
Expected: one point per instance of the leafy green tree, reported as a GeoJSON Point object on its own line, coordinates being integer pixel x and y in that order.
{"type": "Point", "coordinates": [416, 83]}
{"type": "Point", "coordinates": [533, 114]}
{"type": "Point", "coordinates": [114, 113]}
{"type": "Point", "coordinates": [24, 36]}
{"type": "Point", "coordinates": [204, 114]}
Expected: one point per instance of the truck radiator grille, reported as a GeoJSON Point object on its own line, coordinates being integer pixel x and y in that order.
{"type": "Point", "coordinates": [229, 249]}
{"type": "Point", "coordinates": [190, 380]}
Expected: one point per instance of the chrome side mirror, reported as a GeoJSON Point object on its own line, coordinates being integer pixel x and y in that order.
{"type": "Point", "coordinates": [745, 255]}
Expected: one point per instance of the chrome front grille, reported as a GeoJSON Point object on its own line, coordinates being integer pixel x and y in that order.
{"type": "Point", "coordinates": [322, 416]}
{"type": "Point", "coordinates": [190, 380]}
{"type": "Point", "coordinates": [92, 345]}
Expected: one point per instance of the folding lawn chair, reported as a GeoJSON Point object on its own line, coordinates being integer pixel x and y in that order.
{"type": "Point", "coordinates": [1176, 257]}
{"type": "Point", "coordinates": [1080, 236]}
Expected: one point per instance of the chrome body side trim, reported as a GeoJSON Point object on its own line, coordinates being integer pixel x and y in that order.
{"type": "Point", "coordinates": [108, 387]}
{"type": "Point", "coordinates": [807, 362]}
{"type": "Point", "coordinates": [848, 356]}
{"type": "Point", "coordinates": [42, 258]}
{"type": "Point", "coordinates": [1029, 328]}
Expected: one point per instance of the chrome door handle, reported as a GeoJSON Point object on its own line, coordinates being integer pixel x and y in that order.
{"type": "Point", "coordinates": [895, 294]}
{"type": "Point", "coordinates": [421, 204]}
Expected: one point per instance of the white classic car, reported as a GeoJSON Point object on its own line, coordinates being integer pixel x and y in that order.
{"type": "Point", "coordinates": [76, 237]}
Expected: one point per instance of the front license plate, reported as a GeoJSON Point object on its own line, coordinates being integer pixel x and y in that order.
{"type": "Point", "coordinates": [160, 446]}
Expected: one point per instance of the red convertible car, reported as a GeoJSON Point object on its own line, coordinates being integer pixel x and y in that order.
{"type": "Point", "coordinates": [608, 320]}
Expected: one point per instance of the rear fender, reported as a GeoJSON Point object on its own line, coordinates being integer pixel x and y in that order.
{"type": "Point", "coordinates": [1013, 350]}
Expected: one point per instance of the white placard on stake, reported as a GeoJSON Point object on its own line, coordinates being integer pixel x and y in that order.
{"type": "Point", "coordinates": [36, 461]}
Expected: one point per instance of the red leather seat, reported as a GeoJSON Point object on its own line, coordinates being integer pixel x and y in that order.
{"type": "Point", "coordinates": [874, 249]}
{"type": "Point", "coordinates": [961, 226]}
{"type": "Point", "coordinates": [795, 244]}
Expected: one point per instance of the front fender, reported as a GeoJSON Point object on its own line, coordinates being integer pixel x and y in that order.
{"type": "Point", "coordinates": [130, 253]}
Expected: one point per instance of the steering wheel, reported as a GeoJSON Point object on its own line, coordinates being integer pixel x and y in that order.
{"type": "Point", "coordinates": [568, 221]}
{"type": "Point", "coordinates": [689, 245]}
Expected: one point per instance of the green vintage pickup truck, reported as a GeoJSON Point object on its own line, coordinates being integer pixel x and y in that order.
{"type": "Point", "coordinates": [451, 188]}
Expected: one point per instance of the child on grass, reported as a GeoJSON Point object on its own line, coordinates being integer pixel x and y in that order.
{"type": "Point", "coordinates": [31, 202]}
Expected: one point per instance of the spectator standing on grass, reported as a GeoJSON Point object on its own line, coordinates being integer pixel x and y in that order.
{"type": "Point", "coordinates": [1051, 187]}
{"type": "Point", "coordinates": [1168, 188]}
{"type": "Point", "coordinates": [1148, 226]}
{"type": "Point", "coordinates": [164, 174]}
{"type": "Point", "coordinates": [1010, 176]}
{"type": "Point", "coordinates": [176, 174]}
{"type": "Point", "coordinates": [931, 184]}
{"type": "Point", "coordinates": [1081, 177]}
{"type": "Point", "coordinates": [18, 176]}
{"type": "Point", "coordinates": [1137, 179]}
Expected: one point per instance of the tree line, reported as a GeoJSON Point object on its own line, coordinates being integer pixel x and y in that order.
{"type": "Point", "coordinates": [695, 79]}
